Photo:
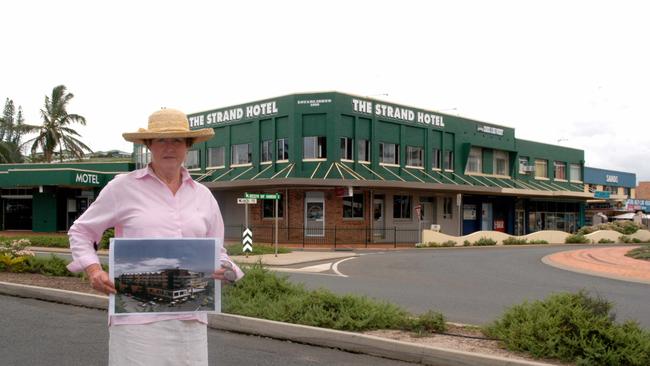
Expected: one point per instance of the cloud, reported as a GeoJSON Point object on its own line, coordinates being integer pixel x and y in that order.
{"type": "Point", "coordinates": [147, 265]}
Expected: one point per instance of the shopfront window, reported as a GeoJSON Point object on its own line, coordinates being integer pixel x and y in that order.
{"type": "Point", "coordinates": [353, 206]}
{"type": "Point", "coordinates": [268, 208]}
{"type": "Point", "coordinates": [401, 207]}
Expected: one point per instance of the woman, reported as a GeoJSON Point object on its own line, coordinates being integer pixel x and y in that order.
{"type": "Point", "coordinates": [158, 201]}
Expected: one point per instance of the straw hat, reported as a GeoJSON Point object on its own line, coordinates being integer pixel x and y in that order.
{"type": "Point", "coordinates": [168, 123]}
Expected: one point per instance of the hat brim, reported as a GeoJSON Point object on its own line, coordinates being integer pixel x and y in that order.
{"type": "Point", "coordinates": [201, 135]}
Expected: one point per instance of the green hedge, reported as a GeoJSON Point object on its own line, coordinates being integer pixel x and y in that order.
{"type": "Point", "coordinates": [575, 328]}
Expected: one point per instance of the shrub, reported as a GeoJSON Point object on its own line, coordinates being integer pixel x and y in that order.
{"type": "Point", "coordinates": [540, 241]}
{"type": "Point", "coordinates": [484, 242]}
{"type": "Point", "coordinates": [427, 323]}
{"type": "Point", "coordinates": [640, 253]}
{"type": "Point", "coordinates": [625, 239]}
{"type": "Point", "coordinates": [576, 239]}
{"type": "Point", "coordinates": [49, 266]}
{"type": "Point", "coordinates": [622, 226]}
{"type": "Point", "coordinates": [605, 241]}
{"type": "Point", "coordinates": [449, 243]}
{"type": "Point", "coordinates": [269, 296]}
{"type": "Point", "coordinates": [467, 243]}
{"type": "Point", "coordinates": [105, 241]}
{"type": "Point", "coordinates": [572, 327]}
{"type": "Point", "coordinates": [514, 241]}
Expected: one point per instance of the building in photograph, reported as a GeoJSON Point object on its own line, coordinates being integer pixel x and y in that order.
{"type": "Point", "coordinates": [611, 190]}
{"type": "Point", "coordinates": [49, 197]}
{"type": "Point", "coordinates": [356, 170]}
{"type": "Point", "coordinates": [169, 284]}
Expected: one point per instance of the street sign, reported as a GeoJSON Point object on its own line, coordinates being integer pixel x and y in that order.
{"type": "Point", "coordinates": [246, 201]}
{"type": "Point", "coordinates": [247, 240]}
{"type": "Point", "coordinates": [263, 196]}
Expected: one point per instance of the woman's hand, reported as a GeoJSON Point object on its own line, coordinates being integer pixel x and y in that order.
{"type": "Point", "coordinates": [99, 279]}
{"type": "Point", "coordinates": [225, 274]}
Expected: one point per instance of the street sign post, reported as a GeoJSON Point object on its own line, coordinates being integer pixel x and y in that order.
{"type": "Point", "coordinates": [262, 196]}
{"type": "Point", "coordinates": [246, 201]}
{"type": "Point", "coordinates": [418, 210]}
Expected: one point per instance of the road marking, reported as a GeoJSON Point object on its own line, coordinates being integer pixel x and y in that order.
{"type": "Point", "coordinates": [335, 267]}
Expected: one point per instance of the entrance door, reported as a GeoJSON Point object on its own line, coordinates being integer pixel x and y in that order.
{"type": "Point", "coordinates": [486, 216]}
{"type": "Point", "coordinates": [378, 217]}
{"type": "Point", "coordinates": [314, 214]}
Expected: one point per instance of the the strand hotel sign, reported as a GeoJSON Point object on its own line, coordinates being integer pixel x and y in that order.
{"type": "Point", "coordinates": [396, 112]}
{"type": "Point", "coordinates": [235, 114]}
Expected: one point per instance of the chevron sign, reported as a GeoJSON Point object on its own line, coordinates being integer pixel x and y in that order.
{"type": "Point", "coordinates": [247, 240]}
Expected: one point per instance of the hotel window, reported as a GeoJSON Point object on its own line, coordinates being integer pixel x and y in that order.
{"type": "Point", "coordinates": [353, 206]}
{"type": "Point", "coordinates": [267, 150]}
{"type": "Point", "coordinates": [268, 208]}
{"type": "Point", "coordinates": [283, 149]}
{"type": "Point", "coordinates": [364, 150]}
{"type": "Point", "coordinates": [346, 148]}
{"type": "Point", "coordinates": [401, 207]}
{"type": "Point", "coordinates": [541, 168]}
{"type": "Point", "coordinates": [575, 173]}
{"type": "Point", "coordinates": [414, 156]}
{"type": "Point", "coordinates": [501, 163]}
{"type": "Point", "coordinates": [560, 170]}
{"type": "Point", "coordinates": [314, 147]}
{"type": "Point", "coordinates": [216, 156]}
{"type": "Point", "coordinates": [435, 159]}
{"type": "Point", "coordinates": [389, 153]}
{"type": "Point", "coordinates": [192, 159]}
{"type": "Point", "coordinates": [474, 160]}
{"type": "Point", "coordinates": [449, 160]}
{"type": "Point", "coordinates": [241, 154]}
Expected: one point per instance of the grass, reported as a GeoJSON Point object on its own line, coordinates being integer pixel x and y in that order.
{"type": "Point", "coordinates": [258, 249]}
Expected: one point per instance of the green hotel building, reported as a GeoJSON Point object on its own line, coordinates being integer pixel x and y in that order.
{"type": "Point", "coordinates": [353, 170]}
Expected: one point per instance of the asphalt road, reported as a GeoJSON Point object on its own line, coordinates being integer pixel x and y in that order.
{"type": "Point", "coordinates": [40, 333]}
{"type": "Point", "coordinates": [474, 285]}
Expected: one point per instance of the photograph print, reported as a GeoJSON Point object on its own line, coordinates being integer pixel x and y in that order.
{"type": "Point", "coordinates": [158, 276]}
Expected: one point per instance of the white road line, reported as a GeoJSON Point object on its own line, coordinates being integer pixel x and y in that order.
{"type": "Point", "coordinates": [335, 267]}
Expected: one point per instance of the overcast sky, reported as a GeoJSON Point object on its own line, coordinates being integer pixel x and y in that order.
{"type": "Point", "coordinates": [574, 73]}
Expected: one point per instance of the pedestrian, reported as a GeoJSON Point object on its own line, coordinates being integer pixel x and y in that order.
{"type": "Point", "coordinates": [160, 200]}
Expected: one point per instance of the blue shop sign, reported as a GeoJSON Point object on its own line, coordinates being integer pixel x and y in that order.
{"type": "Point", "coordinates": [636, 205]}
{"type": "Point", "coordinates": [602, 194]}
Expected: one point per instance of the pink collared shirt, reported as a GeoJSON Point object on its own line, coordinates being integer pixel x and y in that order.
{"type": "Point", "coordinates": [140, 205]}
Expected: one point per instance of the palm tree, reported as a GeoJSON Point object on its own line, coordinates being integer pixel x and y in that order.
{"type": "Point", "coordinates": [9, 153]}
{"type": "Point", "coordinates": [55, 131]}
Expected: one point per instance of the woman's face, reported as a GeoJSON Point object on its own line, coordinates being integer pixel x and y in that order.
{"type": "Point", "coordinates": [168, 153]}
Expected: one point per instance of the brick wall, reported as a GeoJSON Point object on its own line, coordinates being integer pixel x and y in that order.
{"type": "Point", "coordinates": [643, 191]}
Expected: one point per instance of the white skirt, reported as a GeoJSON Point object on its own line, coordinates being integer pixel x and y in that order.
{"type": "Point", "coordinates": [168, 342]}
